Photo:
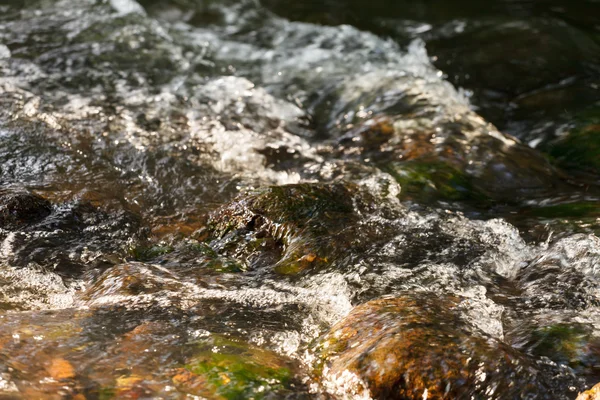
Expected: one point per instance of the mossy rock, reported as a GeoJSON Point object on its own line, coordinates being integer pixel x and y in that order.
{"type": "Point", "coordinates": [579, 149]}
{"type": "Point", "coordinates": [186, 253]}
{"type": "Point", "coordinates": [563, 343]}
{"type": "Point", "coordinates": [420, 346]}
{"type": "Point", "coordinates": [294, 227]}
{"type": "Point", "coordinates": [562, 218]}
{"type": "Point", "coordinates": [302, 206]}
{"type": "Point", "coordinates": [148, 253]}
{"type": "Point", "coordinates": [229, 369]}
{"type": "Point", "coordinates": [465, 159]}
{"type": "Point", "coordinates": [426, 181]}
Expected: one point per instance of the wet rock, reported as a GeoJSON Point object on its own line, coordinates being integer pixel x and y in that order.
{"type": "Point", "coordinates": [130, 280]}
{"type": "Point", "coordinates": [562, 216]}
{"type": "Point", "coordinates": [19, 207]}
{"type": "Point", "coordinates": [188, 254]}
{"type": "Point", "coordinates": [564, 342]}
{"type": "Point", "coordinates": [90, 234]}
{"type": "Point", "coordinates": [577, 209]}
{"type": "Point", "coordinates": [592, 394]}
{"type": "Point", "coordinates": [481, 56]}
{"type": "Point", "coordinates": [145, 353]}
{"type": "Point", "coordinates": [565, 276]}
{"type": "Point", "coordinates": [337, 227]}
{"type": "Point", "coordinates": [231, 369]}
{"type": "Point", "coordinates": [425, 182]}
{"type": "Point", "coordinates": [43, 263]}
{"type": "Point", "coordinates": [37, 353]}
{"type": "Point", "coordinates": [294, 226]}
{"type": "Point", "coordinates": [460, 158]}
{"type": "Point", "coordinates": [420, 346]}
{"type": "Point", "coordinates": [578, 146]}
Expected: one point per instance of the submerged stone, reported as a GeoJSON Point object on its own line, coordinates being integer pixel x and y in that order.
{"type": "Point", "coordinates": [573, 344]}
{"type": "Point", "coordinates": [294, 226]}
{"type": "Point", "coordinates": [580, 209]}
{"type": "Point", "coordinates": [129, 280]}
{"type": "Point", "coordinates": [592, 394]}
{"type": "Point", "coordinates": [563, 277]}
{"type": "Point", "coordinates": [424, 181]}
{"type": "Point", "coordinates": [19, 207]}
{"type": "Point", "coordinates": [191, 254]}
{"type": "Point", "coordinates": [420, 346]}
{"type": "Point", "coordinates": [462, 158]}
{"type": "Point", "coordinates": [229, 369]}
{"type": "Point", "coordinates": [578, 149]}
{"type": "Point", "coordinates": [93, 237]}
{"type": "Point", "coordinates": [481, 56]}
{"type": "Point", "coordinates": [147, 354]}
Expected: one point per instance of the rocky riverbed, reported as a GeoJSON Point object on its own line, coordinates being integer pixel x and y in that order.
{"type": "Point", "coordinates": [231, 199]}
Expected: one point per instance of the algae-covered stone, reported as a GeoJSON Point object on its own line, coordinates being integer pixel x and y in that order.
{"type": "Point", "coordinates": [229, 369]}
{"type": "Point", "coordinates": [69, 238]}
{"type": "Point", "coordinates": [579, 148]}
{"type": "Point", "coordinates": [294, 226]}
{"type": "Point", "coordinates": [580, 209]}
{"type": "Point", "coordinates": [187, 254]}
{"type": "Point", "coordinates": [425, 181]}
{"type": "Point", "coordinates": [572, 344]}
{"type": "Point", "coordinates": [147, 253]}
{"type": "Point", "coordinates": [419, 346]}
{"type": "Point", "coordinates": [460, 158]}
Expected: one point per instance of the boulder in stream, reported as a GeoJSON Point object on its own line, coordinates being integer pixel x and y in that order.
{"type": "Point", "coordinates": [19, 207]}
{"type": "Point", "coordinates": [419, 346]}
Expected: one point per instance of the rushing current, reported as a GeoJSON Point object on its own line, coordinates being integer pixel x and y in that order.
{"type": "Point", "coordinates": [261, 199]}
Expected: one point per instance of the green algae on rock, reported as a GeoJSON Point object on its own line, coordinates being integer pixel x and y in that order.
{"type": "Point", "coordinates": [572, 344]}
{"type": "Point", "coordinates": [578, 149]}
{"type": "Point", "coordinates": [297, 226]}
{"type": "Point", "coordinates": [424, 181]}
{"type": "Point", "coordinates": [460, 158]}
{"type": "Point", "coordinates": [230, 369]}
{"type": "Point", "coordinates": [579, 209]}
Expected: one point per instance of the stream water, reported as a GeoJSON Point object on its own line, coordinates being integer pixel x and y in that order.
{"type": "Point", "coordinates": [235, 199]}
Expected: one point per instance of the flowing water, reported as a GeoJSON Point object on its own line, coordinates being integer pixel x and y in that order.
{"type": "Point", "coordinates": [234, 199]}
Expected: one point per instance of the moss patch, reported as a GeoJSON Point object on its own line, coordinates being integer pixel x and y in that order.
{"type": "Point", "coordinates": [427, 181]}
{"type": "Point", "coordinates": [234, 370]}
{"type": "Point", "coordinates": [580, 147]}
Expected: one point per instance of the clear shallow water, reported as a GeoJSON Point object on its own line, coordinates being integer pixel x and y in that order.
{"type": "Point", "coordinates": [231, 200]}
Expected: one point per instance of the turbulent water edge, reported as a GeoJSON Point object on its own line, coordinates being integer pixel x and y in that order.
{"type": "Point", "coordinates": [207, 200]}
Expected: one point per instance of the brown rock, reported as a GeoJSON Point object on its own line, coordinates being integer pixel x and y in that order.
{"type": "Point", "coordinates": [60, 369]}
{"type": "Point", "coordinates": [419, 346]}
{"type": "Point", "coordinates": [592, 394]}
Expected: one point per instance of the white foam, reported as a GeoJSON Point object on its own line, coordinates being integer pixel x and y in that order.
{"type": "Point", "coordinates": [4, 52]}
{"type": "Point", "coordinates": [127, 7]}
